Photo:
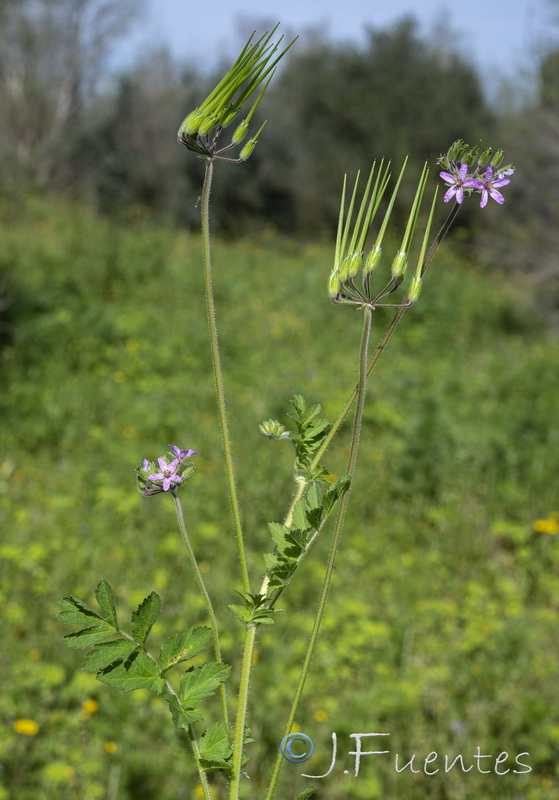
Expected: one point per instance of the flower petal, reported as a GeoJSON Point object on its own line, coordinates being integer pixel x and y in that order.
{"type": "Point", "coordinates": [450, 194]}
{"type": "Point", "coordinates": [162, 464]}
{"type": "Point", "coordinates": [497, 196]}
{"type": "Point", "coordinates": [446, 176]}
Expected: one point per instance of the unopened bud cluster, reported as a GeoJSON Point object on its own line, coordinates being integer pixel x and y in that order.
{"type": "Point", "coordinates": [272, 429]}
{"type": "Point", "coordinates": [202, 128]}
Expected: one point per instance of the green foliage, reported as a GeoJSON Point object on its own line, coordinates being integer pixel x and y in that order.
{"type": "Point", "coordinates": [294, 541]}
{"type": "Point", "coordinates": [310, 434]}
{"type": "Point", "coordinates": [125, 664]}
{"type": "Point", "coordinates": [255, 610]}
{"type": "Point", "coordinates": [199, 682]}
{"type": "Point", "coordinates": [441, 625]}
{"type": "Point", "coordinates": [215, 747]}
{"type": "Point", "coordinates": [145, 616]}
{"type": "Point", "coordinates": [181, 647]}
{"type": "Point", "coordinates": [138, 671]}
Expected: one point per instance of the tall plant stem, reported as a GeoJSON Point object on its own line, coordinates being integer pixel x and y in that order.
{"type": "Point", "coordinates": [384, 340]}
{"type": "Point", "coordinates": [248, 655]}
{"type": "Point", "coordinates": [205, 595]}
{"type": "Point", "coordinates": [220, 392]}
{"type": "Point", "coordinates": [201, 772]}
{"type": "Point", "coordinates": [352, 460]}
{"type": "Point", "coordinates": [242, 704]}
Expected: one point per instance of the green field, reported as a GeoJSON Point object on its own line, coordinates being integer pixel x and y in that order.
{"type": "Point", "coordinates": [443, 617]}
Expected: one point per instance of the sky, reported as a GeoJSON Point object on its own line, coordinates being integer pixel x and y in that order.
{"type": "Point", "coordinates": [501, 36]}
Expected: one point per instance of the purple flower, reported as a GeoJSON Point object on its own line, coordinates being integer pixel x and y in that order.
{"type": "Point", "coordinates": [489, 187]}
{"type": "Point", "coordinates": [167, 474]}
{"type": "Point", "coordinates": [146, 465]}
{"type": "Point", "coordinates": [180, 454]}
{"type": "Point", "coordinates": [458, 182]}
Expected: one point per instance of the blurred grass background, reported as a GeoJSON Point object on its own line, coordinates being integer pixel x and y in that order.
{"type": "Point", "coordinates": [442, 622]}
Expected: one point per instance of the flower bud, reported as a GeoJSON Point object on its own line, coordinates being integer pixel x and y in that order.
{"type": "Point", "coordinates": [484, 157]}
{"type": "Point", "coordinates": [191, 123]}
{"type": "Point", "coordinates": [351, 265]}
{"type": "Point", "coordinates": [229, 115]}
{"type": "Point", "coordinates": [272, 429]}
{"type": "Point", "coordinates": [246, 152]}
{"type": "Point", "coordinates": [457, 151]}
{"type": "Point", "coordinates": [415, 289]}
{"type": "Point", "coordinates": [399, 264]}
{"type": "Point", "coordinates": [334, 284]}
{"type": "Point", "coordinates": [208, 123]}
{"type": "Point", "coordinates": [497, 158]}
{"type": "Point", "coordinates": [240, 132]}
{"type": "Point", "coordinates": [373, 258]}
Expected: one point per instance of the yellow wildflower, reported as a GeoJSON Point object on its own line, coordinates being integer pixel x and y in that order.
{"type": "Point", "coordinates": [321, 716]}
{"type": "Point", "coordinates": [111, 747]}
{"type": "Point", "coordinates": [89, 707]}
{"type": "Point", "coordinates": [28, 727]}
{"type": "Point", "coordinates": [550, 526]}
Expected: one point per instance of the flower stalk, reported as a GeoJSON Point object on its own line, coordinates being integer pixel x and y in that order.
{"type": "Point", "coordinates": [204, 592]}
{"type": "Point", "coordinates": [218, 377]}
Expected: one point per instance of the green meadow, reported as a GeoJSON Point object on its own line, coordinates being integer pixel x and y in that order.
{"type": "Point", "coordinates": [442, 624]}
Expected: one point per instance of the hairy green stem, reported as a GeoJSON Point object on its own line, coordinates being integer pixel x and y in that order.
{"type": "Point", "coordinates": [302, 484]}
{"type": "Point", "coordinates": [248, 656]}
{"type": "Point", "coordinates": [352, 460]}
{"type": "Point", "coordinates": [206, 596]}
{"type": "Point", "coordinates": [201, 774]}
{"type": "Point", "coordinates": [220, 392]}
{"type": "Point", "coordinates": [242, 704]}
